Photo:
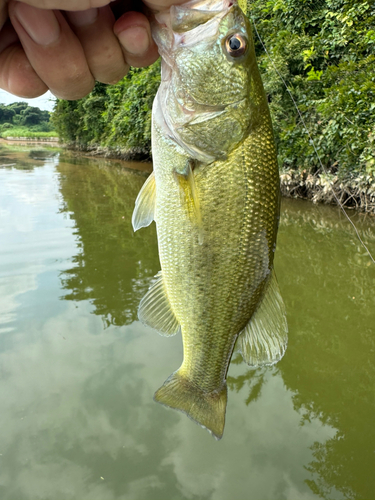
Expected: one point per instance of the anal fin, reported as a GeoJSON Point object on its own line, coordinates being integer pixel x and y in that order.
{"type": "Point", "coordinates": [155, 309]}
{"type": "Point", "coordinates": [264, 339]}
{"type": "Point", "coordinates": [144, 209]}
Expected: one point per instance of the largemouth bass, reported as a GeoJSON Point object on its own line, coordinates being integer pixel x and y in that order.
{"type": "Point", "coordinates": [214, 195]}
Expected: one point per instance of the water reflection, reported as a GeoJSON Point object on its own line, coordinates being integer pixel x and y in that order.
{"type": "Point", "coordinates": [113, 265]}
{"type": "Point", "coordinates": [330, 299]}
{"type": "Point", "coordinates": [78, 420]}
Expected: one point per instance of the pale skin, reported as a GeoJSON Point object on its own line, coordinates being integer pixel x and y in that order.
{"type": "Point", "coordinates": [66, 45]}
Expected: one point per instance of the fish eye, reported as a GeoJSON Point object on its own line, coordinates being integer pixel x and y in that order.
{"type": "Point", "coordinates": [235, 45]}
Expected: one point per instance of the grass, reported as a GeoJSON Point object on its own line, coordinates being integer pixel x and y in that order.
{"type": "Point", "coordinates": [26, 132]}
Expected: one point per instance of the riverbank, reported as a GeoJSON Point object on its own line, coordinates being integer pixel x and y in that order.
{"type": "Point", "coordinates": [112, 153]}
{"type": "Point", "coordinates": [35, 139]}
{"type": "Point", "coordinates": [357, 192]}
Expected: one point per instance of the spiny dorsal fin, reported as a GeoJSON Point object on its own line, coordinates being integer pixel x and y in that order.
{"type": "Point", "coordinates": [155, 309]}
{"type": "Point", "coordinates": [264, 339]}
{"type": "Point", "coordinates": [144, 208]}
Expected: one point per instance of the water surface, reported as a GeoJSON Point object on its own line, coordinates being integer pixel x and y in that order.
{"type": "Point", "coordinates": [78, 371]}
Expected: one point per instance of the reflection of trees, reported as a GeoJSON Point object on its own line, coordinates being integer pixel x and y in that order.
{"type": "Point", "coordinates": [15, 157]}
{"type": "Point", "coordinates": [252, 378]}
{"type": "Point", "coordinates": [113, 265]}
{"type": "Point", "coordinates": [328, 287]}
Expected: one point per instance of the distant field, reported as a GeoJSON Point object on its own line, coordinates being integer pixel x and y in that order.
{"type": "Point", "coordinates": [26, 132]}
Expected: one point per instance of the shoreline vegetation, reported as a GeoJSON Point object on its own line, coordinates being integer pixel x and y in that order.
{"type": "Point", "coordinates": [357, 192]}
{"type": "Point", "coordinates": [324, 50]}
{"type": "Point", "coordinates": [21, 122]}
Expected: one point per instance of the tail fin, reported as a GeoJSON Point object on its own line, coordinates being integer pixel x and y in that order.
{"type": "Point", "coordinates": [206, 409]}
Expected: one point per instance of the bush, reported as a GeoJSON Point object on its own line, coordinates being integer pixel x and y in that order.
{"type": "Point", "coordinates": [116, 116]}
{"type": "Point", "coordinates": [324, 49]}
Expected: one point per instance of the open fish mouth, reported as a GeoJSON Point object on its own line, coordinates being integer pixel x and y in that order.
{"type": "Point", "coordinates": [186, 24]}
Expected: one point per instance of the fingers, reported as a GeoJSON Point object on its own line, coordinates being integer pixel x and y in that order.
{"type": "Point", "coordinates": [67, 52]}
{"type": "Point", "coordinates": [133, 31]}
{"type": "Point", "coordinates": [53, 50]}
{"type": "Point", "coordinates": [16, 73]}
{"type": "Point", "coordinates": [68, 4]}
{"type": "Point", "coordinates": [94, 29]}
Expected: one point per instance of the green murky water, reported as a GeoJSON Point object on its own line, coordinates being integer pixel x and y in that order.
{"type": "Point", "coordinates": [78, 371]}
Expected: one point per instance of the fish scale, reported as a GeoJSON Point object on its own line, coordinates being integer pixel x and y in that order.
{"type": "Point", "coordinates": [215, 198]}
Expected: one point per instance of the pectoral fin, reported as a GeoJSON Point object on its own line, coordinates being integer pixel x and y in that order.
{"type": "Point", "coordinates": [188, 186]}
{"type": "Point", "coordinates": [264, 339]}
{"type": "Point", "coordinates": [144, 209]}
{"type": "Point", "coordinates": [155, 309]}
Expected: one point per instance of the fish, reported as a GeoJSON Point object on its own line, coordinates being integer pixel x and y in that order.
{"type": "Point", "coordinates": [214, 194]}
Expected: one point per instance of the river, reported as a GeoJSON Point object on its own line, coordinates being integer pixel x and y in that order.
{"type": "Point", "coordinates": [78, 371]}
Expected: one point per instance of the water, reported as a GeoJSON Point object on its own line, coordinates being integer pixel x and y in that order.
{"type": "Point", "coordinates": [78, 371]}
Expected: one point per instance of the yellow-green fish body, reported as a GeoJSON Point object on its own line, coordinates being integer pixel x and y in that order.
{"type": "Point", "coordinates": [214, 195]}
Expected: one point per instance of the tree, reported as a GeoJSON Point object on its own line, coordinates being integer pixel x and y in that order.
{"type": "Point", "coordinates": [6, 114]}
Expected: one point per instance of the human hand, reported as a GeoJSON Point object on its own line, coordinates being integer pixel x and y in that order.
{"type": "Point", "coordinates": [65, 51]}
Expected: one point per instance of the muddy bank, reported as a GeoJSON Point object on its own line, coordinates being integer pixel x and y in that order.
{"type": "Point", "coordinates": [31, 139]}
{"type": "Point", "coordinates": [115, 153]}
{"type": "Point", "coordinates": [357, 192]}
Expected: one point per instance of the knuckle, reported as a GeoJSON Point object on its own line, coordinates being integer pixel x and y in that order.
{"type": "Point", "coordinates": [74, 85]}
{"type": "Point", "coordinates": [112, 77]}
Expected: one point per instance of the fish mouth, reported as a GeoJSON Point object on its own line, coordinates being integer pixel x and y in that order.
{"type": "Point", "coordinates": [188, 24]}
{"type": "Point", "coordinates": [178, 30]}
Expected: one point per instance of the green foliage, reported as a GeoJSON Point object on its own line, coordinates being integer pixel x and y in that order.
{"type": "Point", "coordinates": [18, 106]}
{"type": "Point", "coordinates": [21, 120]}
{"type": "Point", "coordinates": [115, 116]}
{"type": "Point", "coordinates": [130, 116]}
{"type": "Point", "coordinates": [33, 116]}
{"type": "Point", "coordinates": [29, 132]}
{"type": "Point", "coordinates": [325, 51]}
{"type": "Point", "coordinates": [6, 114]}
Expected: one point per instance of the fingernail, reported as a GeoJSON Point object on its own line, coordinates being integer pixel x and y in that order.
{"type": "Point", "coordinates": [135, 40]}
{"type": "Point", "coordinates": [83, 17]}
{"type": "Point", "coordinates": [40, 24]}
